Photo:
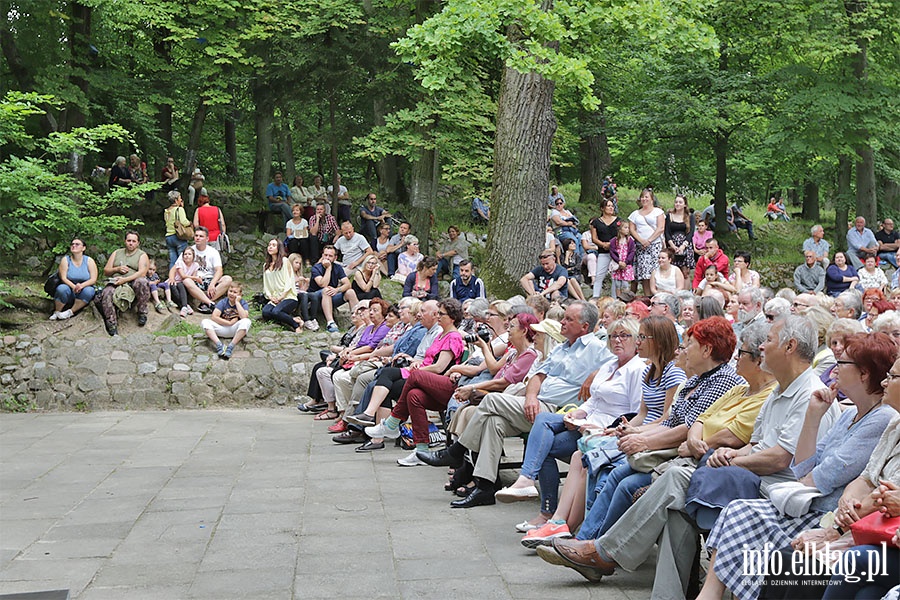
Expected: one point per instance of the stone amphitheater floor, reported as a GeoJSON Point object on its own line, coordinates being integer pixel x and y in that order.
{"type": "Point", "coordinates": [254, 504]}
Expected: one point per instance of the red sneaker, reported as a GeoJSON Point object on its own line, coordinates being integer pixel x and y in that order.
{"type": "Point", "coordinates": [543, 535]}
{"type": "Point", "coordinates": [340, 426]}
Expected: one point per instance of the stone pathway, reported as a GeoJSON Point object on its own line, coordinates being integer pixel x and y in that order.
{"type": "Point", "coordinates": [254, 503]}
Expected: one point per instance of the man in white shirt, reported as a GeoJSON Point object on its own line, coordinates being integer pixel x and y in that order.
{"type": "Point", "coordinates": [353, 248]}
{"type": "Point", "coordinates": [213, 284]}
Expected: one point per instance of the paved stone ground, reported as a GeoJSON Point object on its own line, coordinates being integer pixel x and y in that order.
{"type": "Point", "coordinates": [249, 504]}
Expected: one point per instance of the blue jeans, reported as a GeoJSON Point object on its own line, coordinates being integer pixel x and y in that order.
{"type": "Point", "coordinates": [548, 440]}
{"type": "Point", "coordinates": [283, 312]}
{"type": "Point", "coordinates": [891, 257]}
{"type": "Point", "coordinates": [612, 502]}
{"type": "Point", "coordinates": [875, 584]}
{"type": "Point", "coordinates": [66, 295]}
{"type": "Point", "coordinates": [392, 262]}
{"type": "Point", "coordinates": [309, 306]}
{"type": "Point", "coordinates": [284, 208]}
{"type": "Point", "coordinates": [175, 247]}
{"type": "Point", "coordinates": [596, 481]}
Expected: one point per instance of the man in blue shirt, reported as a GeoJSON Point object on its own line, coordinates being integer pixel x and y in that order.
{"type": "Point", "coordinates": [555, 383]}
{"type": "Point", "coordinates": [861, 243]}
{"type": "Point", "coordinates": [549, 279]}
{"type": "Point", "coordinates": [466, 286]}
{"type": "Point", "coordinates": [279, 196]}
{"type": "Point", "coordinates": [329, 283]}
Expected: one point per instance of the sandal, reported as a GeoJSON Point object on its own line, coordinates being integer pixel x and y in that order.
{"type": "Point", "coordinates": [327, 415]}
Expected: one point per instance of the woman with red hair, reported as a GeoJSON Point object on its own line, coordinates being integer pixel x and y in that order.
{"type": "Point", "coordinates": [708, 346]}
{"type": "Point", "coordinates": [637, 310]}
{"type": "Point", "coordinates": [211, 217]}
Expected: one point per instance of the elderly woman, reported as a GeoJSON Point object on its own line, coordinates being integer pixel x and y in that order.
{"type": "Point", "coordinates": [422, 283]}
{"type": "Point", "coordinates": [408, 260]}
{"type": "Point", "coordinates": [709, 345]}
{"type": "Point", "coordinates": [888, 323]}
{"type": "Point", "coordinates": [120, 174]}
{"type": "Point", "coordinates": [613, 390]}
{"type": "Point", "coordinates": [77, 275]}
{"type": "Point", "coordinates": [657, 343]}
{"type": "Point", "coordinates": [838, 332]}
{"type": "Point", "coordinates": [878, 308]}
{"type": "Point", "coordinates": [871, 277]}
{"type": "Point", "coordinates": [175, 212]}
{"type": "Point", "coordinates": [824, 359]}
{"type": "Point", "coordinates": [827, 461]}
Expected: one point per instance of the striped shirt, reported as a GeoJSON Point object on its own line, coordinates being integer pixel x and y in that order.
{"type": "Point", "coordinates": [654, 392]}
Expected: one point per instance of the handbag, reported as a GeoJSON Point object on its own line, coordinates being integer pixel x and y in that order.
{"type": "Point", "coordinates": [647, 460]}
{"type": "Point", "coordinates": [183, 232]}
{"type": "Point", "coordinates": [224, 242]}
{"type": "Point", "coordinates": [51, 284]}
{"type": "Point", "coordinates": [874, 529]}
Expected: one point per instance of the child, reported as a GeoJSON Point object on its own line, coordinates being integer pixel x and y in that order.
{"type": "Point", "coordinates": [307, 318]}
{"type": "Point", "coordinates": [571, 261]}
{"type": "Point", "coordinates": [700, 237]}
{"type": "Point", "coordinates": [713, 280]}
{"type": "Point", "coordinates": [185, 268]}
{"type": "Point", "coordinates": [621, 258]}
{"type": "Point", "coordinates": [155, 285]}
{"type": "Point", "coordinates": [230, 319]}
{"type": "Point", "coordinates": [297, 232]}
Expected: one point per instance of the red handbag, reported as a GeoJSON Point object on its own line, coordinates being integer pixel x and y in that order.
{"type": "Point", "coordinates": [874, 529]}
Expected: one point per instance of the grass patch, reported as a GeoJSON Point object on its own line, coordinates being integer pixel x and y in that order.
{"type": "Point", "coordinates": [16, 404]}
{"type": "Point", "coordinates": [183, 328]}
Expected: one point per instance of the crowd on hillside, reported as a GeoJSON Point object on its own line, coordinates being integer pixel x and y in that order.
{"type": "Point", "coordinates": [691, 399]}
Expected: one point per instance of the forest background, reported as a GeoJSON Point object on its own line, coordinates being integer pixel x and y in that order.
{"type": "Point", "coordinates": [734, 101]}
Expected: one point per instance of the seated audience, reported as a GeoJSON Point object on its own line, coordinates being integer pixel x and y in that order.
{"type": "Point", "coordinates": [666, 278]}
{"type": "Point", "coordinates": [213, 284]}
{"type": "Point", "coordinates": [156, 284]}
{"type": "Point", "coordinates": [422, 283]}
{"type": "Point", "coordinates": [119, 174]}
{"type": "Point", "coordinates": [888, 242]}
{"type": "Point", "coordinates": [847, 305]}
{"type": "Point", "coordinates": [353, 248]}
{"type": "Point", "coordinates": [367, 279]}
{"type": "Point", "coordinates": [571, 260]}
{"type": "Point", "coordinates": [230, 319]}
{"type": "Point", "coordinates": [408, 260]}
{"type": "Point", "coordinates": [382, 241]}
{"type": "Point", "coordinates": [279, 198]}
{"type": "Point", "coordinates": [743, 276]}
{"type": "Point", "coordinates": [548, 279]}
{"type": "Point", "coordinates": [775, 210]}
{"type": "Point", "coordinates": [396, 245]}
{"type": "Point", "coordinates": [185, 268]}
{"type": "Point", "coordinates": [127, 283]}
{"type": "Point", "coordinates": [452, 253]}
{"type": "Point", "coordinates": [839, 276]}
{"type": "Point", "coordinates": [169, 176]}
{"type": "Point", "coordinates": [370, 216]}
{"type": "Point", "coordinates": [309, 306]}
{"type": "Point", "coordinates": [77, 275]}
{"type": "Point", "coordinates": [481, 212]}
{"type": "Point", "coordinates": [819, 246]}
{"type": "Point", "coordinates": [466, 286]}
{"type": "Point", "coordinates": [278, 287]}
{"type": "Point", "coordinates": [871, 277]}
{"type": "Point", "coordinates": [296, 233]}
{"type": "Point", "coordinates": [330, 287]}
{"type": "Point", "coordinates": [810, 276]}
{"type": "Point", "coordinates": [713, 256]}
{"type": "Point", "coordinates": [861, 243]}
{"type": "Point", "coordinates": [741, 221]}
{"type": "Point", "coordinates": [322, 231]}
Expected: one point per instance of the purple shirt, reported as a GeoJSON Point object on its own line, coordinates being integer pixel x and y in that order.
{"type": "Point", "coordinates": [371, 337]}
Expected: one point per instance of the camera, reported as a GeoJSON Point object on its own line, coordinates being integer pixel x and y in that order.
{"type": "Point", "coordinates": [401, 362]}
{"type": "Point", "coordinates": [481, 332]}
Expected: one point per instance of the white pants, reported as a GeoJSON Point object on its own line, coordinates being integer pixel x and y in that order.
{"type": "Point", "coordinates": [601, 270]}
{"type": "Point", "coordinates": [227, 331]}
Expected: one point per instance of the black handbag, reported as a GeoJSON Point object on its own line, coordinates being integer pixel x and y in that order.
{"type": "Point", "coordinates": [51, 284]}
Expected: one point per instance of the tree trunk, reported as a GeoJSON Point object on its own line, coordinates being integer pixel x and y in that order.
{"type": "Point", "coordinates": [17, 67]}
{"type": "Point", "coordinates": [287, 138]}
{"type": "Point", "coordinates": [811, 201]}
{"type": "Point", "coordinates": [264, 118]}
{"type": "Point", "coordinates": [335, 174]}
{"type": "Point", "coordinates": [843, 202]}
{"type": "Point", "coordinates": [79, 38]}
{"type": "Point", "coordinates": [425, 172]}
{"type": "Point", "coordinates": [721, 186]}
{"type": "Point", "coordinates": [387, 169]}
{"type": "Point", "coordinates": [231, 166]}
{"type": "Point", "coordinates": [193, 145]}
{"type": "Point", "coordinates": [163, 50]}
{"type": "Point", "coordinates": [525, 128]}
{"type": "Point", "coordinates": [866, 205]}
{"type": "Point", "coordinates": [595, 160]}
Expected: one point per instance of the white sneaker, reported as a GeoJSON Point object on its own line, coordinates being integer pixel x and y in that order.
{"type": "Point", "coordinates": [184, 311]}
{"type": "Point", "coordinates": [381, 431]}
{"type": "Point", "coordinates": [311, 325]}
{"type": "Point", "coordinates": [54, 316]}
{"type": "Point", "coordinates": [66, 314]}
{"type": "Point", "coordinates": [410, 461]}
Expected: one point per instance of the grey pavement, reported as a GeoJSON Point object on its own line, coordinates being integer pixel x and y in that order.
{"type": "Point", "coordinates": [250, 504]}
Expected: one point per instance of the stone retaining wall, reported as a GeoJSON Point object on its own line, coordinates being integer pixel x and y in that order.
{"type": "Point", "coordinates": [143, 371]}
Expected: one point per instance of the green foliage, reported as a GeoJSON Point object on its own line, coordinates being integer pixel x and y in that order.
{"type": "Point", "coordinates": [182, 328]}
{"type": "Point", "coordinates": [38, 202]}
{"type": "Point", "coordinates": [15, 404]}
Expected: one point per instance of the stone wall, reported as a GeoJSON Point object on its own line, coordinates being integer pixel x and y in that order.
{"type": "Point", "coordinates": [143, 371]}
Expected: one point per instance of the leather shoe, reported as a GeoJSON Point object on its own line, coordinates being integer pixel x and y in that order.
{"type": "Point", "coordinates": [578, 555]}
{"type": "Point", "coordinates": [349, 437]}
{"type": "Point", "coordinates": [477, 497]}
{"type": "Point", "coordinates": [441, 458]}
{"type": "Point", "coordinates": [142, 319]}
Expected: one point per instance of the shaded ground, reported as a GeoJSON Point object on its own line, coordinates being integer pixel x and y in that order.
{"type": "Point", "coordinates": [249, 504]}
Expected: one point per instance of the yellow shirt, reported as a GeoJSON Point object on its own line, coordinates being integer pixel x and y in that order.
{"type": "Point", "coordinates": [280, 284]}
{"type": "Point", "coordinates": [734, 411]}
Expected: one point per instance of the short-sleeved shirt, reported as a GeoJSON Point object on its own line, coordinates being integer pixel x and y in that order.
{"type": "Point", "coordinates": [207, 261]}
{"type": "Point", "coordinates": [820, 248]}
{"type": "Point", "coordinates": [229, 311]}
{"type": "Point", "coordinates": [353, 249]}
{"type": "Point", "coordinates": [645, 224]}
{"type": "Point", "coordinates": [568, 366]}
{"type": "Point", "coordinates": [605, 233]}
{"type": "Point", "coordinates": [318, 269]}
{"type": "Point", "coordinates": [517, 365]}
{"type": "Point", "coordinates": [699, 393]}
{"type": "Point", "coordinates": [460, 246]}
{"type": "Point", "coordinates": [298, 230]}
{"type": "Point", "coordinates": [734, 411]}
{"type": "Point", "coordinates": [275, 191]}
{"type": "Point", "coordinates": [543, 280]}
{"type": "Point", "coordinates": [887, 238]}
{"type": "Point", "coordinates": [451, 341]}
{"type": "Point", "coordinates": [654, 391]}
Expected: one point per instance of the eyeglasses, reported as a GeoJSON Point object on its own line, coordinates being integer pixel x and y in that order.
{"type": "Point", "coordinates": [641, 337]}
{"type": "Point", "coordinates": [800, 305]}
{"type": "Point", "coordinates": [654, 303]}
{"type": "Point", "coordinates": [846, 362]}
{"type": "Point", "coordinates": [682, 348]}
{"type": "Point", "coordinates": [742, 351]}
{"type": "Point", "coordinates": [493, 314]}
{"type": "Point", "coordinates": [621, 336]}
{"type": "Point", "coordinates": [770, 317]}
{"type": "Point", "coordinates": [558, 202]}
{"type": "Point", "coordinates": [442, 313]}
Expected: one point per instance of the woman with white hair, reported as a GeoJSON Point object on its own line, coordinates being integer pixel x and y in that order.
{"type": "Point", "coordinates": [889, 323]}
{"type": "Point", "coordinates": [408, 260]}
{"type": "Point", "coordinates": [119, 174]}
